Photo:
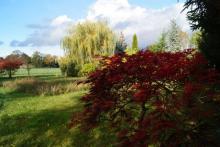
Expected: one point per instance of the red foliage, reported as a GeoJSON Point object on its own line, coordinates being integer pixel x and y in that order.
{"type": "Point", "coordinates": [163, 99]}
{"type": "Point", "coordinates": [10, 65]}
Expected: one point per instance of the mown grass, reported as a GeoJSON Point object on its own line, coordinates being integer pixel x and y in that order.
{"type": "Point", "coordinates": [27, 119]}
{"type": "Point", "coordinates": [38, 72]}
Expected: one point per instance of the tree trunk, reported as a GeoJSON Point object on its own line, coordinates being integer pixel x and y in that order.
{"type": "Point", "coordinates": [10, 74]}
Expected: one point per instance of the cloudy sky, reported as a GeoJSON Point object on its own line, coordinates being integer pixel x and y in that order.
{"type": "Point", "coordinates": [39, 25]}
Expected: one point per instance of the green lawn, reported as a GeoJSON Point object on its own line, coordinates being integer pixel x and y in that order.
{"type": "Point", "coordinates": [39, 72]}
{"type": "Point", "coordinates": [28, 120]}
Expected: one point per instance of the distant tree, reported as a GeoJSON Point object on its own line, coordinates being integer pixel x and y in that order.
{"type": "Point", "coordinates": [37, 59]}
{"type": "Point", "coordinates": [195, 39]}
{"type": "Point", "coordinates": [10, 65]}
{"type": "Point", "coordinates": [85, 40]}
{"type": "Point", "coordinates": [17, 52]}
{"type": "Point", "coordinates": [135, 42]}
{"type": "Point", "coordinates": [173, 37]}
{"type": "Point", "coordinates": [205, 16]}
{"type": "Point", "coordinates": [1, 66]}
{"type": "Point", "coordinates": [134, 49]}
{"type": "Point", "coordinates": [160, 45]}
{"type": "Point", "coordinates": [27, 62]}
{"type": "Point", "coordinates": [50, 61]}
{"type": "Point", "coordinates": [184, 40]}
{"type": "Point", "coordinates": [121, 45]}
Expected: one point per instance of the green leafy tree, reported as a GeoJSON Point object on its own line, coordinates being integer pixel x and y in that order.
{"type": "Point", "coordinates": [37, 59]}
{"type": "Point", "coordinates": [85, 40]}
{"type": "Point", "coordinates": [195, 39]}
{"type": "Point", "coordinates": [205, 15]}
{"type": "Point", "coordinates": [160, 45]}
{"type": "Point", "coordinates": [27, 62]}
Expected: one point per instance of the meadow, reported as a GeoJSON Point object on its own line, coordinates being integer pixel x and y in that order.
{"type": "Point", "coordinates": [29, 118]}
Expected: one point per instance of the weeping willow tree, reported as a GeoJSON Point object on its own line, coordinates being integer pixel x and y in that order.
{"type": "Point", "coordinates": [88, 39]}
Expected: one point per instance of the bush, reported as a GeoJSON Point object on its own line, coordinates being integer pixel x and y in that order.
{"type": "Point", "coordinates": [159, 99]}
{"type": "Point", "coordinates": [72, 70]}
{"type": "Point", "coordinates": [68, 67]}
{"type": "Point", "coordinates": [88, 68]}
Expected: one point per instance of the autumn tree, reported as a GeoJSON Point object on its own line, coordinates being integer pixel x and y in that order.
{"type": "Point", "coordinates": [164, 99]}
{"type": "Point", "coordinates": [10, 65]}
{"type": "Point", "coordinates": [50, 61]}
{"type": "Point", "coordinates": [184, 40]}
{"type": "Point", "coordinates": [26, 60]}
{"type": "Point", "coordinates": [1, 66]}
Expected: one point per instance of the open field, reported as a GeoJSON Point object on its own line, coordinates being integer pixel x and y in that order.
{"type": "Point", "coordinates": [31, 119]}
{"type": "Point", "coordinates": [39, 72]}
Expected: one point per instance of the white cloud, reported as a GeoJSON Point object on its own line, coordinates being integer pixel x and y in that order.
{"type": "Point", "coordinates": [60, 20]}
{"type": "Point", "coordinates": [121, 15]}
{"type": "Point", "coordinates": [48, 34]}
{"type": "Point", "coordinates": [146, 23]}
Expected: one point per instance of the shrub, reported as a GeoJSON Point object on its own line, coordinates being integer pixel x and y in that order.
{"type": "Point", "coordinates": [68, 67]}
{"type": "Point", "coordinates": [88, 68]}
{"type": "Point", "coordinates": [159, 99]}
{"type": "Point", "coordinates": [72, 70]}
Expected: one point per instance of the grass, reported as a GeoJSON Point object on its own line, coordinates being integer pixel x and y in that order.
{"type": "Point", "coordinates": [39, 72]}
{"type": "Point", "coordinates": [31, 120]}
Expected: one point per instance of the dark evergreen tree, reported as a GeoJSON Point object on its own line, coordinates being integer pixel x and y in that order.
{"type": "Point", "coordinates": [121, 45]}
{"type": "Point", "coordinates": [205, 15]}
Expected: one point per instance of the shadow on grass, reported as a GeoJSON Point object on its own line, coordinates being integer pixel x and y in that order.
{"type": "Point", "coordinates": [48, 128]}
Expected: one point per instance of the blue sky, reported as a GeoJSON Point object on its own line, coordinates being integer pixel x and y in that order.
{"type": "Point", "coordinates": [25, 23]}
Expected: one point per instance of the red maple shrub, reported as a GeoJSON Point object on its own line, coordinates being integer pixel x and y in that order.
{"type": "Point", "coordinates": [10, 65]}
{"type": "Point", "coordinates": [163, 99]}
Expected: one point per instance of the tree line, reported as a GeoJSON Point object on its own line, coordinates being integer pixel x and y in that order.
{"type": "Point", "coordinates": [87, 41]}
{"type": "Point", "coordinates": [17, 59]}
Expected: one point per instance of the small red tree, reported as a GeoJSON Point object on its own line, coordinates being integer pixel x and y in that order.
{"type": "Point", "coordinates": [162, 99]}
{"type": "Point", "coordinates": [1, 65]}
{"type": "Point", "coordinates": [9, 65]}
